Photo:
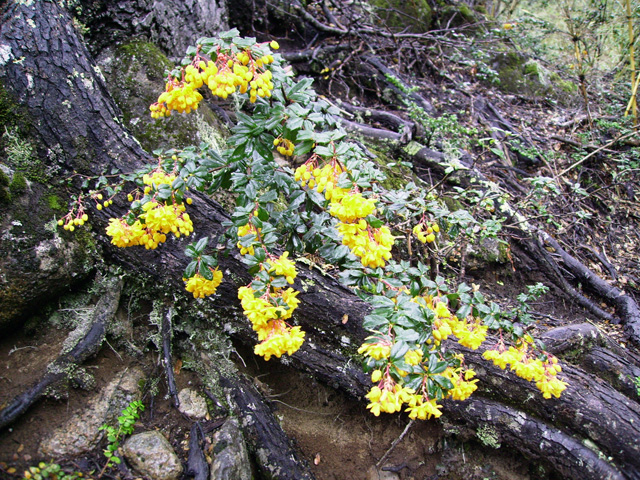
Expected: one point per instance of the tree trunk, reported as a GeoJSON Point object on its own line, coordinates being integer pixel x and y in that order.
{"type": "Point", "coordinates": [47, 69]}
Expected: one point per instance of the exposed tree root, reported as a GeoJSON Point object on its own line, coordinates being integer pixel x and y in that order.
{"type": "Point", "coordinates": [167, 361]}
{"type": "Point", "coordinates": [498, 425]}
{"type": "Point", "coordinates": [624, 303]}
{"type": "Point", "coordinates": [589, 416]}
{"type": "Point", "coordinates": [197, 466]}
{"type": "Point", "coordinates": [270, 445]}
{"type": "Point", "coordinates": [87, 346]}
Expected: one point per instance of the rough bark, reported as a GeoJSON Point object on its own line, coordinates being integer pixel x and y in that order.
{"type": "Point", "coordinates": [49, 71]}
{"type": "Point", "coordinates": [173, 26]}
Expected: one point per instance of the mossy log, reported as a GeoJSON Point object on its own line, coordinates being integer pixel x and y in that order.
{"type": "Point", "coordinates": [48, 70]}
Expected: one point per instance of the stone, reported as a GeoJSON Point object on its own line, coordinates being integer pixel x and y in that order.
{"type": "Point", "coordinates": [192, 403]}
{"type": "Point", "coordinates": [230, 460]}
{"type": "Point", "coordinates": [488, 251]}
{"type": "Point", "coordinates": [374, 474]}
{"type": "Point", "coordinates": [151, 455]}
{"type": "Point", "coordinates": [135, 74]}
{"type": "Point", "coordinates": [81, 433]}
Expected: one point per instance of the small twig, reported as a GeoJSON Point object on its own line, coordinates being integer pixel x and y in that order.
{"type": "Point", "coordinates": [16, 349]}
{"type": "Point", "coordinates": [585, 158]}
{"type": "Point", "coordinates": [298, 409]}
{"type": "Point", "coordinates": [395, 443]}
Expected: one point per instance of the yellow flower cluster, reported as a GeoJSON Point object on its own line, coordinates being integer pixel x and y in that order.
{"type": "Point", "coordinates": [371, 245]}
{"type": "Point", "coordinates": [471, 334]}
{"type": "Point", "coordinates": [243, 231]}
{"type": "Point", "coordinates": [171, 218]}
{"type": "Point", "coordinates": [69, 222]}
{"type": "Point", "coordinates": [156, 178]}
{"type": "Point", "coordinates": [529, 367]}
{"type": "Point", "coordinates": [284, 267]}
{"type": "Point", "coordinates": [280, 339]}
{"type": "Point", "coordinates": [323, 179]}
{"type": "Point", "coordinates": [377, 351]}
{"type": "Point", "coordinates": [201, 287]}
{"type": "Point", "coordinates": [426, 234]}
{"type": "Point", "coordinates": [389, 398]}
{"type": "Point", "coordinates": [463, 383]}
{"type": "Point", "coordinates": [180, 96]}
{"type": "Point", "coordinates": [151, 227]}
{"type": "Point", "coordinates": [267, 314]}
{"type": "Point", "coordinates": [352, 207]}
{"type": "Point", "coordinates": [423, 408]}
{"type": "Point", "coordinates": [230, 73]}
{"type": "Point", "coordinates": [285, 147]}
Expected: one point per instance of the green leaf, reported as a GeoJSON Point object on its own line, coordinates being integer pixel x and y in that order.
{"type": "Point", "coordinates": [209, 260]}
{"type": "Point", "coordinates": [206, 272]}
{"type": "Point", "coordinates": [444, 382]}
{"type": "Point", "coordinates": [201, 245]}
{"type": "Point", "coordinates": [398, 350]}
{"type": "Point", "coordinates": [269, 196]}
{"type": "Point", "coordinates": [374, 322]}
{"type": "Point", "coordinates": [374, 222]}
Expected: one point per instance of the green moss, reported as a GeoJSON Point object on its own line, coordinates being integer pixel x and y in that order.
{"type": "Point", "coordinates": [412, 148]}
{"type": "Point", "coordinates": [18, 184]}
{"type": "Point", "coordinates": [531, 68]}
{"type": "Point", "coordinates": [4, 179]}
{"type": "Point", "coordinates": [457, 15]}
{"type": "Point", "coordinates": [147, 54]}
{"type": "Point", "coordinates": [136, 79]}
{"type": "Point", "coordinates": [5, 195]}
{"type": "Point", "coordinates": [563, 85]}
{"type": "Point", "coordinates": [11, 113]}
{"type": "Point", "coordinates": [488, 435]}
{"type": "Point", "coordinates": [54, 203]}
{"type": "Point", "coordinates": [397, 174]}
{"type": "Point", "coordinates": [415, 15]}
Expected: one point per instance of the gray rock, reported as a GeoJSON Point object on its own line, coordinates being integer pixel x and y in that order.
{"type": "Point", "coordinates": [151, 455]}
{"type": "Point", "coordinates": [81, 433]}
{"type": "Point", "coordinates": [487, 251]}
{"type": "Point", "coordinates": [192, 403]}
{"type": "Point", "coordinates": [135, 75]}
{"type": "Point", "coordinates": [374, 474]}
{"type": "Point", "coordinates": [231, 460]}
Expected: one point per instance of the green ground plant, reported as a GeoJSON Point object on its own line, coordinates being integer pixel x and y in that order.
{"type": "Point", "coordinates": [50, 471]}
{"type": "Point", "coordinates": [126, 422]}
{"type": "Point", "coordinates": [332, 205]}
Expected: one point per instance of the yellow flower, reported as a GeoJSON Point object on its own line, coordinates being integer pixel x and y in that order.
{"type": "Point", "coordinates": [413, 357]}
{"type": "Point", "coordinates": [124, 235]}
{"type": "Point", "coordinates": [352, 207]}
{"type": "Point", "coordinates": [283, 267]}
{"type": "Point", "coordinates": [378, 351]}
{"type": "Point", "coordinates": [201, 287]}
{"type": "Point", "coordinates": [279, 339]}
{"type": "Point", "coordinates": [423, 410]}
